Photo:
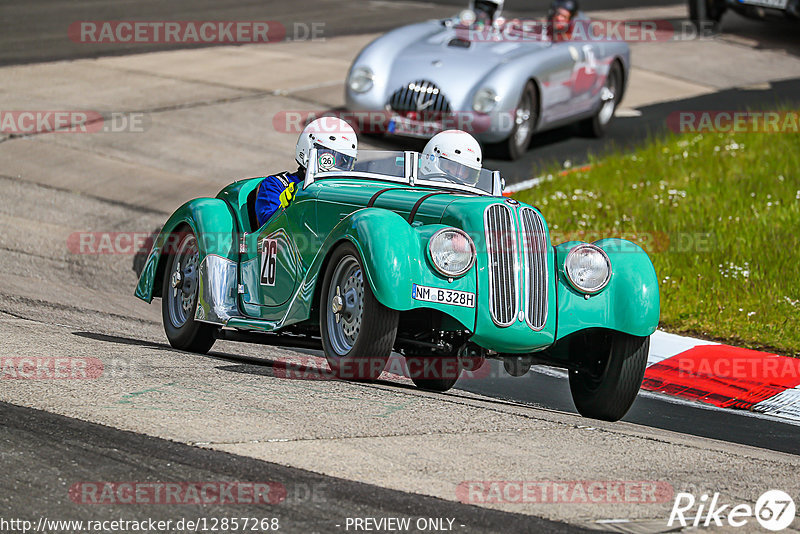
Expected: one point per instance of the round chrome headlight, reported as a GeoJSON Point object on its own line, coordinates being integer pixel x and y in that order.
{"type": "Point", "coordinates": [361, 79]}
{"type": "Point", "coordinates": [452, 252]}
{"type": "Point", "coordinates": [485, 100]}
{"type": "Point", "coordinates": [588, 268]}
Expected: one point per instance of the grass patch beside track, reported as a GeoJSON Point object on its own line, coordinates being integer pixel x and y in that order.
{"type": "Point", "coordinates": [719, 215]}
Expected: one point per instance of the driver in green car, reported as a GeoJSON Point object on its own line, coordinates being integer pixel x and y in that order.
{"type": "Point", "coordinates": [336, 145]}
{"type": "Point", "coordinates": [455, 154]}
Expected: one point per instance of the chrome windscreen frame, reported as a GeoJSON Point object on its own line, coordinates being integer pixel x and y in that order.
{"type": "Point", "coordinates": [411, 176]}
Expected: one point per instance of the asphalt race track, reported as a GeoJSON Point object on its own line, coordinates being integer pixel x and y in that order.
{"type": "Point", "coordinates": [342, 450]}
{"type": "Point", "coordinates": [49, 449]}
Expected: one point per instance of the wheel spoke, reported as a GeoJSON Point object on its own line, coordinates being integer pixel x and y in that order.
{"type": "Point", "coordinates": [345, 309]}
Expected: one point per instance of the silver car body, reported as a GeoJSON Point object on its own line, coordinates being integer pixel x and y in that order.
{"type": "Point", "coordinates": [569, 75]}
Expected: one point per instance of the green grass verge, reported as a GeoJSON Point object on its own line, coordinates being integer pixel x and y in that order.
{"type": "Point", "coordinates": [719, 215]}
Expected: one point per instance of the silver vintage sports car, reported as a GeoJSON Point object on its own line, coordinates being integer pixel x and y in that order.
{"type": "Point", "coordinates": [502, 80]}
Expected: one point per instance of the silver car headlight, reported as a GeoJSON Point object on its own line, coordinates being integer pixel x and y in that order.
{"type": "Point", "coordinates": [361, 79]}
{"type": "Point", "coordinates": [588, 268]}
{"type": "Point", "coordinates": [485, 100]}
{"type": "Point", "coordinates": [452, 252]}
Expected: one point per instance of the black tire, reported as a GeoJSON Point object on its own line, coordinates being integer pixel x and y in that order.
{"type": "Point", "coordinates": [516, 145]}
{"type": "Point", "coordinates": [183, 332]}
{"type": "Point", "coordinates": [357, 346]}
{"type": "Point", "coordinates": [434, 373]}
{"type": "Point", "coordinates": [517, 365]}
{"type": "Point", "coordinates": [597, 125]}
{"type": "Point", "coordinates": [706, 14]}
{"type": "Point", "coordinates": [609, 394]}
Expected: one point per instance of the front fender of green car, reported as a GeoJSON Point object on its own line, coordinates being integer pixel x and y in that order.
{"type": "Point", "coordinates": [395, 256]}
{"type": "Point", "coordinates": [210, 219]}
{"type": "Point", "coordinates": [629, 303]}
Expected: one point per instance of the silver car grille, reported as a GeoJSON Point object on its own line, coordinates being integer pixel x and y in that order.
{"type": "Point", "coordinates": [534, 249]}
{"type": "Point", "coordinates": [502, 255]}
{"type": "Point", "coordinates": [421, 96]}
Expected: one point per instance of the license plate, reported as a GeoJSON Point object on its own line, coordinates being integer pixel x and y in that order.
{"type": "Point", "coordinates": [774, 4]}
{"type": "Point", "coordinates": [413, 128]}
{"type": "Point", "coordinates": [443, 296]}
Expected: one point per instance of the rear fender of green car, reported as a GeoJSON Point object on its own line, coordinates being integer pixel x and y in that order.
{"type": "Point", "coordinates": [210, 219]}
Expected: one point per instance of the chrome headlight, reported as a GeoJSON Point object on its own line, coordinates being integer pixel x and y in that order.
{"type": "Point", "coordinates": [452, 252]}
{"type": "Point", "coordinates": [361, 79]}
{"type": "Point", "coordinates": [588, 268]}
{"type": "Point", "coordinates": [485, 100]}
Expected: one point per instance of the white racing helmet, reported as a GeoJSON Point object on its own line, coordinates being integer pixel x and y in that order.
{"type": "Point", "coordinates": [454, 153]}
{"type": "Point", "coordinates": [335, 141]}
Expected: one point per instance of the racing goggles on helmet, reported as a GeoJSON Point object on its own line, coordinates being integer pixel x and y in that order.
{"type": "Point", "coordinates": [459, 171]}
{"type": "Point", "coordinates": [333, 160]}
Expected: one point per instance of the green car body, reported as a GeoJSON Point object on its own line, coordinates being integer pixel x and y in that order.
{"type": "Point", "coordinates": [390, 224]}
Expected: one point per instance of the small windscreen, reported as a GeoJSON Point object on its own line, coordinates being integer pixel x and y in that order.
{"type": "Point", "coordinates": [332, 160]}
{"type": "Point", "coordinates": [386, 162]}
{"type": "Point", "coordinates": [391, 165]}
{"type": "Point", "coordinates": [445, 170]}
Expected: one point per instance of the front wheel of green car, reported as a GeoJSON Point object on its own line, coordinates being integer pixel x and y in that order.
{"type": "Point", "coordinates": [608, 391]}
{"type": "Point", "coordinates": [179, 298]}
{"type": "Point", "coordinates": [357, 331]}
{"type": "Point", "coordinates": [434, 373]}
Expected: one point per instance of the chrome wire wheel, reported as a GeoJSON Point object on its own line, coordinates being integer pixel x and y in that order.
{"type": "Point", "coordinates": [522, 121]}
{"type": "Point", "coordinates": [608, 95]}
{"type": "Point", "coordinates": [183, 282]}
{"type": "Point", "coordinates": [345, 307]}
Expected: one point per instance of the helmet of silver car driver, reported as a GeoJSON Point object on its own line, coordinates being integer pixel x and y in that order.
{"type": "Point", "coordinates": [454, 153]}
{"type": "Point", "coordinates": [571, 6]}
{"type": "Point", "coordinates": [335, 141]}
{"type": "Point", "coordinates": [490, 9]}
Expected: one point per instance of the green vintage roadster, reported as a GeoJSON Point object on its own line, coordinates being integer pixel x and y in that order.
{"type": "Point", "coordinates": [385, 257]}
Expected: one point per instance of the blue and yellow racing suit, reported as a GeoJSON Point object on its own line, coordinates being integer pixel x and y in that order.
{"type": "Point", "coordinates": [276, 191]}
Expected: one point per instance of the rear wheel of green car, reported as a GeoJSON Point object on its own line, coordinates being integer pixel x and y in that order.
{"type": "Point", "coordinates": [357, 331]}
{"type": "Point", "coordinates": [179, 290]}
{"type": "Point", "coordinates": [607, 388]}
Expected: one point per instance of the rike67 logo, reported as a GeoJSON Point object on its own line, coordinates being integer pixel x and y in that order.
{"type": "Point", "coordinates": [774, 510]}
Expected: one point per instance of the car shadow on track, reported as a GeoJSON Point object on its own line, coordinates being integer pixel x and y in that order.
{"type": "Point", "coordinates": [288, 368]}
{"type": "Point", "coordinates": [123, 340]}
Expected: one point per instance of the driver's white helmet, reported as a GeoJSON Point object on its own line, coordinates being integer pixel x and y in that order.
{"type": "Point", "coordinates": [335, 141]}
{"type": "Point", "coordinates": [455, 153]}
